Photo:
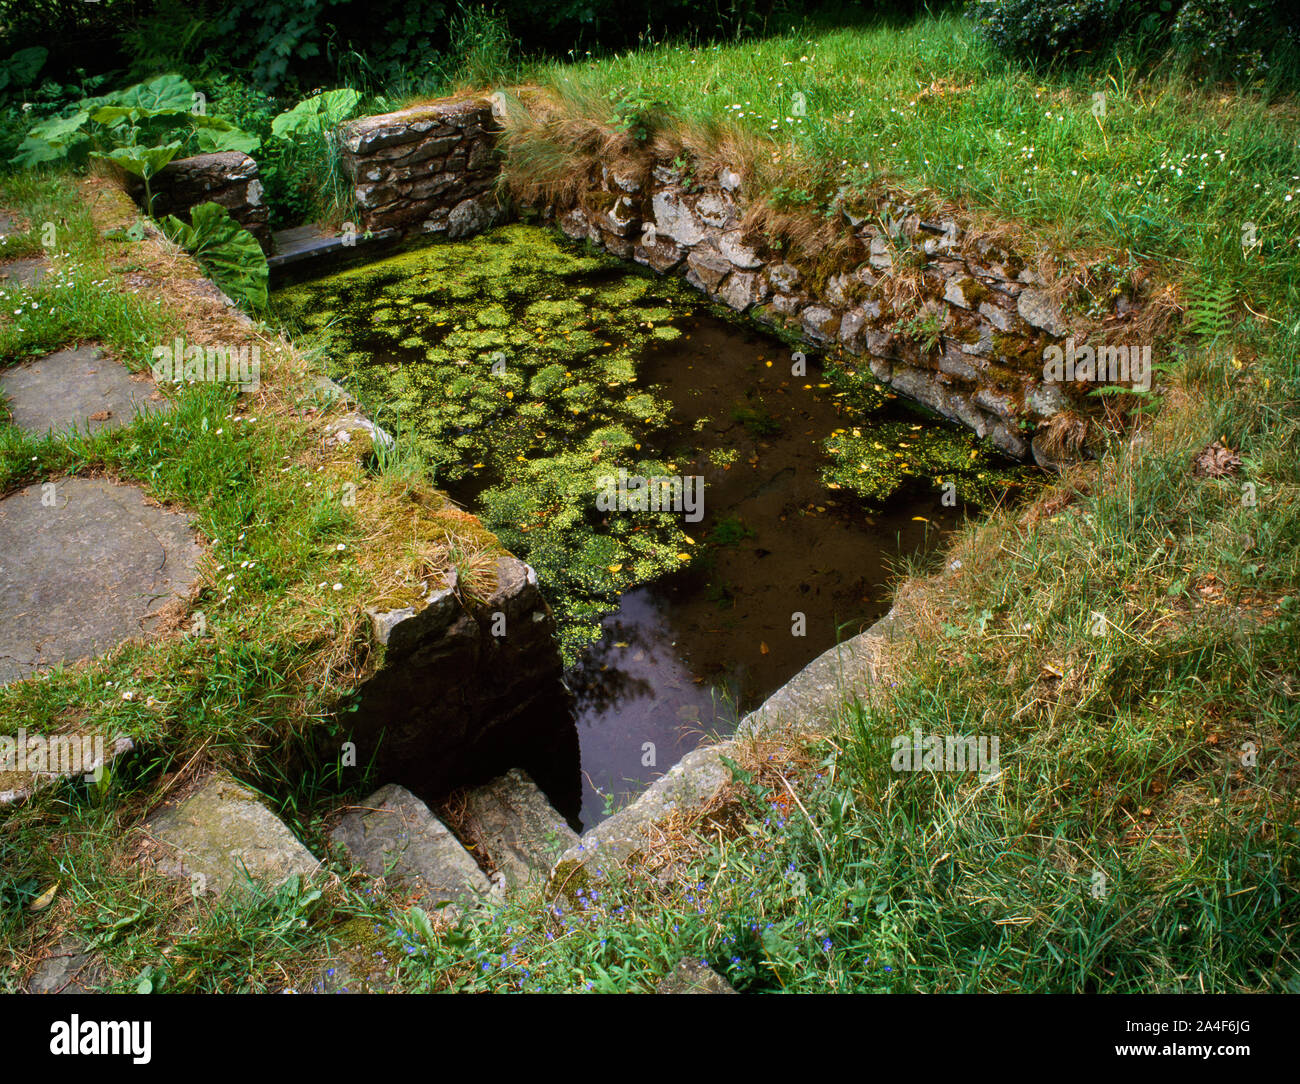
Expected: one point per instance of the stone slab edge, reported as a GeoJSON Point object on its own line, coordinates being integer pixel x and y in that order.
{"type": "Point", "coordinates": [809, 702]}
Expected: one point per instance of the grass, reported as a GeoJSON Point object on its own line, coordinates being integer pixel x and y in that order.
{"type": "Point", "coordinates": [1172, 172]}
{"type": "Point", "coordinates": [280, 647]}
{"type": "Point", "coordinates": [1130, 635]}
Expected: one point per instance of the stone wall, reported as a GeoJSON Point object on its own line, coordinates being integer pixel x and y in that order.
{"type": "Point", "coordinates": [467, 690]}
{"type": "Point", "coordinates": [427, 169]}
{"type": "Point", "coordinates": [966, 339]}
{"type": "Point", "coordinates": [229, 178]}
{"type": "Point", "coordinates": [965, 336]}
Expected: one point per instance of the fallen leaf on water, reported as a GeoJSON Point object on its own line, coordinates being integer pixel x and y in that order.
{"type": "Point", "coordinates": [763, 647]}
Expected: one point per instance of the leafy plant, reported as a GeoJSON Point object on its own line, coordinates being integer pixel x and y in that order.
{"type": "Point", "coordinates": [21, 69]}
{"type": "Point", "coordinates": [150, 114]}
{"type": "Point", "coordinates": [142, 162]}
{"type": "Point", "coordinates": [316, 115]}
{"type": "Point", "coordinates": [227, 251]}
{"type": "Point", "coordinates": [1209, 310]}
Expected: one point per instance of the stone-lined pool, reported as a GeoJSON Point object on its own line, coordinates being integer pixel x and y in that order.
{"type": "Point", "coordinates": [530, 372]}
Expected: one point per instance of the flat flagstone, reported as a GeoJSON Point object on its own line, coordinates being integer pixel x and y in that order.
{"type": "Point", "coordinates": [68, 969]}
{"type": "Point", "coordinates": [81, 387]}
{"type": "Point", "coordinates": [27, 271]}
{"type": "Point", "coordinates": [694, 977]}
{"type": "Point", "coordinates": [517, 827]}
{"type": "Point", "coordinates": [221, 836]}
{"type": "Point", "coordinates": [85, 565]}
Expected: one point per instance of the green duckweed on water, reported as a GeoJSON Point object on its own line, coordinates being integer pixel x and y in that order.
{"type": "Point", "coordinates": [511, 360]}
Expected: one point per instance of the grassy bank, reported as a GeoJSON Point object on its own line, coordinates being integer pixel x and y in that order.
{"type": "Point", "coordinates": [1131, 637]}
{"type": "Point", "coordinates": [273, 638]}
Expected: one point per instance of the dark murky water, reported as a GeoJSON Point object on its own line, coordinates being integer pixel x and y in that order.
{"type": "Point", "coordinates": [688, 655]}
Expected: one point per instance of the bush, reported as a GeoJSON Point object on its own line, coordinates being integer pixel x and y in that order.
{"type": "Point", "coordinates": [1221, 37]}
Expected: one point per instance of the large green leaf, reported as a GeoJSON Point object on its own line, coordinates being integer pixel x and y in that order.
{"type": "Point", "coordinates": [53, 139]}
{"type": "Point", "coordinates": [227, 251]}
{"type": "Point", "coordinates": [21, 68]}
{"type": "Point", "coordinates": [59, 130]}
{"type": "Point", "coordinates": [166, 94]}
{"type": "Point", "coordinates": [143, 162]}
{"type": "Point", "coordinates": [33, 151]}
{"type": "Point", "coordinates": [317, 113]}
{"type": "Point", "coordinates": [216, 134]}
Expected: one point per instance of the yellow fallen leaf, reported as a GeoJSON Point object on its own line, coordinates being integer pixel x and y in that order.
{"type": "Point", "coordinates": [45, 898]}
{"type": "Point", "coordinates": [683, 557]}
{"type": "Point", "coordinates": [615, 568]}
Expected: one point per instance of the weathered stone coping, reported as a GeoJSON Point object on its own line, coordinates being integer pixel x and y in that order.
{"type": "Point", "coordinates": [811, 701]}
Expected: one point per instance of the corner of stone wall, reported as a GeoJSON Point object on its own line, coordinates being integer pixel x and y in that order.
{"type": "Point", "coordinates": [468, 687]}
{"type": "Point", "coordinates": [428, 169]}
{"type": "Point", "coordinates": [229, 178]}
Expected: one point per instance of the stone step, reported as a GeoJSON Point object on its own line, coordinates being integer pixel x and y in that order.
{"type": "Point", "coordinates": [80, 388]}
{"type": "Point", "coordinates": [314, 249]}
{"type": "Point", "coordinates": [511, 819]}
{"type": "Point", "coordinates": [86, 563]}
{"type": "Point", "coordinates": [221, 837]}
{"type": "Point", "coordinates": [692, 976]}
{"type": "Point", "coordinates": [393, 835]}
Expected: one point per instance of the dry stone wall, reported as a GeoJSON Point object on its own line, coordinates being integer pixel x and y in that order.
{"type": "Point", "coordinates": [229, 178]}
{"type": "Point", "coordinates": [968, 342]}
{"type": "Point", "coordinates": [966, 338]}
{"type": "Point", "coordinates": [428, 169]}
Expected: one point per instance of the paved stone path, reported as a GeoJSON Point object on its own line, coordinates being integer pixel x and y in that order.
{"type": "Point", "coordinates": [81, 387]}
{"type": "Point", "coordinates": [83, 566]}
{"type": "Point", "coordinates": [27, 271]}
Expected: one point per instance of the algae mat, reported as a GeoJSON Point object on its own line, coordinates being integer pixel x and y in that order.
{"type": "Point", "coordinates": [514, 363]}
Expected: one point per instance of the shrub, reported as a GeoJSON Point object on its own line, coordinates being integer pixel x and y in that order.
{"type": "Point", "coordinates": [1222, 37]}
